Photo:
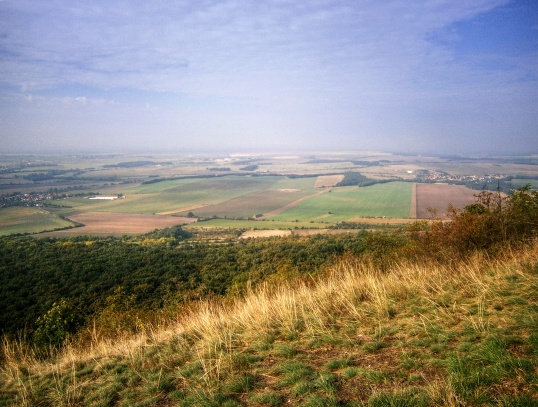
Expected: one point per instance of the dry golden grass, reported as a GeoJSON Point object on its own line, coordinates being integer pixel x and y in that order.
{"type": "Point", "coordinates": [328, 180]}
{"type": "Point", "coordinates": [210, 333]}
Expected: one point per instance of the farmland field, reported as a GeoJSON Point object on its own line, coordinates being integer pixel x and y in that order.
{"type": "Point", "coordinates": [299, 232]}
{"type": "Point", "coordinates": [518, 183]}
{"type": "Point", "coordinates": [439, 196]}
{"type": "Point", "coordinates": [328, 180]}
{"type": "Point", "coordinates": [288, 190]}
{"type": "Point", "coordinates": [253, 224]}
{"type": "Point", "coordinates": [175, 195]}
{"type": "Point", "coordinates": [390, 199]}
{"type": "Point", "coordinates": [249, 205]}
{"type": "Point", "coordinates": [20, 219]}
{"type": "Point", "coordinates": [117, 224]}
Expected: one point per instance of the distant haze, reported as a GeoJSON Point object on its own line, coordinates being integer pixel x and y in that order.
{"type": "Point", "coordinates": [445, 76]}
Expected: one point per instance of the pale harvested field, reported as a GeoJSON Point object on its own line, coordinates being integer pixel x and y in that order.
{"type": "Point", "coordinates": [264, 233]}
{"type": "Point", "coordinates": [300, 232]}
{"type": "Point", "coordinates": [383, 221]}
{"type": "Point", "coordinates": [439, 196]}
{"type": "Point", "coordinates": [328, 180]}
{"type": "Point", "coordinates": [117, 224]}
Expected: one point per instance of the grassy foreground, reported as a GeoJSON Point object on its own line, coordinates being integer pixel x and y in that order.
{"type": "Point", "coordinates": [415, 334]}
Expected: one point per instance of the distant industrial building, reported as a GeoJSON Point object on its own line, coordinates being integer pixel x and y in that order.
{"type": "Point", "coordinates": [107, 197]}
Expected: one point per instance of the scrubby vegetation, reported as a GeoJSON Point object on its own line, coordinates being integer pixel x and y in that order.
{"type": "Point", "coordinates": [440, 314]}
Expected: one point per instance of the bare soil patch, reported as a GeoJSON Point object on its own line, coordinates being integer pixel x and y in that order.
{"type": "Point", "coordinates": [117, 224]}
{"type": "Point", "coordinates": [439, 197]}
{"type": "Point", "coordinates": [328, 180]}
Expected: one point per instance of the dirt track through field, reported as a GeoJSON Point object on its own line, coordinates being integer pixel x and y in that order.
{"type": "Point", "coordinates": [413, 209]}
{"type": "Point", "coordinates": [291, 205]}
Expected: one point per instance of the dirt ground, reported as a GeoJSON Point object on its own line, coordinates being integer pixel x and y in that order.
{"type": "Point", "coordinates": [117, 224]}
{"type": "Point", "coordinates": [439, 196]}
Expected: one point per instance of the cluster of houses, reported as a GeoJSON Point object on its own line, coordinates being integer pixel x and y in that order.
{"type": "Point", "coordinates": [30, 199]}
{"type": "Point", "coordinates": [440, 176]}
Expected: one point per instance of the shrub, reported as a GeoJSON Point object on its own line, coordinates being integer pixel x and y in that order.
{"type": "Point", "coordinates": [54, 327]}
{"type": "Point", "coordinates": [493, 221]}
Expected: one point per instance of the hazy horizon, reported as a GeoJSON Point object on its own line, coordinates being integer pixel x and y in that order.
{"type": "Point", "coordinates": [425, 77]}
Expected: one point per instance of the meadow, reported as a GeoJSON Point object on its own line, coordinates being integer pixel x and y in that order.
{"type": "Point", "coordinates": [21, 219]}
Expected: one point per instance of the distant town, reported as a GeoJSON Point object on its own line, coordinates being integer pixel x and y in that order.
{"type": "Point", "coordinates": [39, 199]}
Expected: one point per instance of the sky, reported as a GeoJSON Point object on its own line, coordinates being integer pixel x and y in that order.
{"type": "Point", "coordinates": [426, 76]}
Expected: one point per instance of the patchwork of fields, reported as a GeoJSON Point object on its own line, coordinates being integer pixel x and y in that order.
{"type": "Point", "coordinates": [281, 202]}
{"type": "Point", "coordinates": [284, 192]}
{"type": "Point", "coordinates": [341, 204]}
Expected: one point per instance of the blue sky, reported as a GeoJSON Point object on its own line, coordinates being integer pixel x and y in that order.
{"type": "Point", "coordinates": [444, 76]}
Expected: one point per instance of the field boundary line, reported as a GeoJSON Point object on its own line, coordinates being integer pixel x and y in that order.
{"type": "Point", "coordinates": [413, 208]}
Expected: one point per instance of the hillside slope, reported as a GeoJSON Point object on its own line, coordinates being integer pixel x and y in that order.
{"type": "Point", "coordinates": [415, 334]}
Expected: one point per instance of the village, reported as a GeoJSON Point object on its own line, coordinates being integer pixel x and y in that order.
{"type": "Point", "coordinates": [32, 199]}
{"type": "Point", "coordinates": [441, 176]}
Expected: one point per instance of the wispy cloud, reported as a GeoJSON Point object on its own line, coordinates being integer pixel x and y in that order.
{"type": "Point", "coordinates": [275, 54]}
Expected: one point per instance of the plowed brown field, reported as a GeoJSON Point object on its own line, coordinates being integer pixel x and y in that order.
{"type": "Point", "coordinates": [439, 196]}
{"type": "Point", "coordinates": [117, 224]}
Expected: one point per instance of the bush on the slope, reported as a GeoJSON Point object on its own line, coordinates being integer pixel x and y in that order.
{"type": "Point", "coordinates": [492, 222]}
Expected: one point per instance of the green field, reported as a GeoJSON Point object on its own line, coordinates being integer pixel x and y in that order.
{"type": "Point", "coordinates": [232, 199]}
{"type": "Point", "coordinates": [270, 197]}
{"type": "Point", "coordinates": [20, 219]}
{"type": "Point", "coordinates": [381, 200]}
{"type": "Point", "coordinates": [176, 195]}
{"type": "Point", "coordinates": [281, 188]}
{"type": "Point", "coordinates": [231, 196]}
{"type": "Point", "coordinates": [521, 182]}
